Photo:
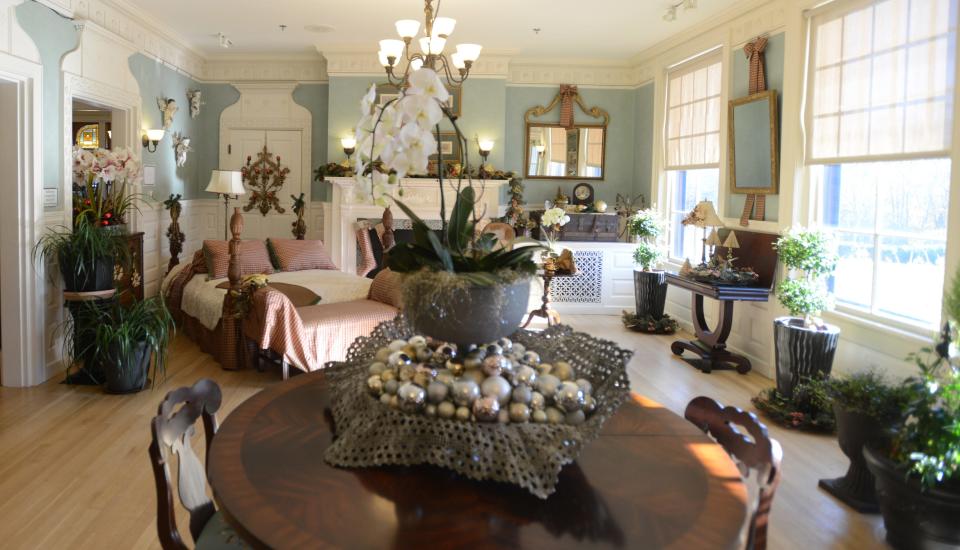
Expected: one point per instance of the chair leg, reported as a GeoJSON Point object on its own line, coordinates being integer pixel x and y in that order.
{"type": "Point", "coordinates": [286, 369]}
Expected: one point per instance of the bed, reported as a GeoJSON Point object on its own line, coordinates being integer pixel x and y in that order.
{"type": "Point", "coordinates": [304, 318]}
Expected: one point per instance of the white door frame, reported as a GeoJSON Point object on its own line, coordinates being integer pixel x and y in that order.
{"type": "Point", "coordinates": [22, 285]}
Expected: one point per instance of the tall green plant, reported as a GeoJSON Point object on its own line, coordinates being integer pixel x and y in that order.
{"type": "Point", "coordinates": [928, 442]}
{"type": "Point", "coordinates": [120, 330]}
{"type": "Point", "coordinates": [647, 226]}
{"type": "Point", "coordinates": [809, 258]}
{"type": "Point", "coordinates": [75, 251]}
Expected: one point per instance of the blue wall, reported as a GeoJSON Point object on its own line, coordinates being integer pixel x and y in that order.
{"type": "Point", "coordinates": [158, 80]}
{"type": "Point", "coordinates": [643, 137]}
{"type": "Point", "coordinates": [315, 97]}
{"type": "Point", "coordinates": [54, 36]}
{"type": "Point", "coordinates": [740, 87]}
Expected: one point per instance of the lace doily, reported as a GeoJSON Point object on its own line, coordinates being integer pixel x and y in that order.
{"type": "Point", "coordinates": [529, 455]}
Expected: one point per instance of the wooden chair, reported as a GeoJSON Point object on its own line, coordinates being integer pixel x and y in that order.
{"type": "Point", "coordinates": [172, 430]}
{"type": "Point", "coordinates": [756, 450]}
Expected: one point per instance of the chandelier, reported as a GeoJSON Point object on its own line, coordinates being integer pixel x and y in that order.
{"type": "Point", "coordinates": [437, 31]}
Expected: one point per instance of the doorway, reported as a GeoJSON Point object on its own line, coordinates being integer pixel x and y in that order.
{"type": "Point", "coordinates": [9, 172]}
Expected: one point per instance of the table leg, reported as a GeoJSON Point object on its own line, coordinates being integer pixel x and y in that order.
{"type": "Point", "coordinates": [552, 317]}
{"type": "Point", "coordinates": [711, 345]}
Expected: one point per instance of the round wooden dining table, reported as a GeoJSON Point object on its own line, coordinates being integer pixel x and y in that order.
{"type": "Point", "coordinates": [651, 480]}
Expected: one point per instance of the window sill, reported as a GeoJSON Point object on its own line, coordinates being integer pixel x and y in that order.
{"type": "Point", "coordinates": [879, 334]}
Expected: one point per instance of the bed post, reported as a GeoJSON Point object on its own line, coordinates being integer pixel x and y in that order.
{"type": "Point", "coordinates": [233, 270]}
{"type": "Point", "coordinates": [387, 220]}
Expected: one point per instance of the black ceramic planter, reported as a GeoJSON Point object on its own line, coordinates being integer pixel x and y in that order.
{"type": "Point", "coordinates": [98, 275]}
{"type": "Point", "coordinates": [650, 292]}
{"type": "Point", "coordinates": [801, 352]}
{"type": "Point", "coordinates": [132, 377]}
{"type": "Point", "coordinates": [855, 489]}
{"type": "Point", "coordinates": [915, 519]}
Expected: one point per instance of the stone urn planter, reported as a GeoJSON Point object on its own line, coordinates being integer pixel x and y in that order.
{"type": "Point", "coordinates": [915, 518]}
{"type": "Point", "coordinates": [470, 314]}
{"type": "Point", "coordinates": [854, 431]}
{"type": "Point", "coordinates": [801, 352]}
{"type": "Point", "coordinates": [650, 293]}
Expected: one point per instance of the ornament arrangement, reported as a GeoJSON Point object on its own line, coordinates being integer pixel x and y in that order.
{"type": "Point", "coordinates": [264, 177]}
{"type": "Point", "coordinates": [498, 382]}
{"type": "Point", "coordinates": [423, 413]}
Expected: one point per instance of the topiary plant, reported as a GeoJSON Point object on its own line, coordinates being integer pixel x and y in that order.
{"type": "Point", "coordinates": [647, 226]}
{"type": "Point", "coordinates": [809, 258]}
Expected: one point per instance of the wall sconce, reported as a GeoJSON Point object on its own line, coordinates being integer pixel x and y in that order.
{"type": "Point", "coordinates": [349, 146]}
{"type": "Point", "coordinates": [485, 146]}
{"type": "Point", "coordinates": [151, 138]}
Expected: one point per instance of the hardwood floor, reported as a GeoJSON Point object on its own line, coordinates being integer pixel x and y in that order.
{"type": "Point", "coordinates": [74, 471]}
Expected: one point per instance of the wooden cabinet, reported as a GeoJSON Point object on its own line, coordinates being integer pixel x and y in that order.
{"type": "Point", "coordinates": [130, 281]}
{"type": "Point", "coordinates": [586, 227]}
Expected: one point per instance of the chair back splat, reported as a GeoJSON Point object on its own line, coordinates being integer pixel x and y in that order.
{"type": "Point", "coordinates": [756, 450]}
{"type": "Point", "coordinates": [172, 430]}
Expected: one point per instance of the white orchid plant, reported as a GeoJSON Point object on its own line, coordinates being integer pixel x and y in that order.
{"type": "Point", "coordinates": [101, 181]}
{"type": "Point", "coordinates": [397, 139]}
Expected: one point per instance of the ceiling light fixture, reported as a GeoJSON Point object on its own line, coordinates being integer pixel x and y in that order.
{"type": "Point", "coordinates": [224, 41]}
{"type": "Point", "coordinates": [436, 31]}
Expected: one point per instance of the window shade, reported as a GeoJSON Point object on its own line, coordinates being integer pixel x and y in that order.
{"type": "Point", "coordinates": [693, 115]}
{"type": "Point", "coordinates": [594, 147]}
{"type": "Point", "coordinates": [881, 81]}
{"type": "Point", "coordinates": [558, 145]}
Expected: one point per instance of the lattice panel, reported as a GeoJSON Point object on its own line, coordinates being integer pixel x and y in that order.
{"type": "Point", "coordinates": [585, 286]}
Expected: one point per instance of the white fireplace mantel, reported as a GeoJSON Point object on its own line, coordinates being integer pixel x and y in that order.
{"type": "Point", "coordinates": [421, 195]}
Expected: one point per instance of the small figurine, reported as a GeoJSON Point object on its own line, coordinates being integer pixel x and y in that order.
{"type": "Point", "coordinates": [193, 96]}
{"type": "Point", "coordinates": [168, 107]}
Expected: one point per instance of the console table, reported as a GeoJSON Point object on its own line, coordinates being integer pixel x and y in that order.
{"type": "Point", "coordinates": [756, 251]}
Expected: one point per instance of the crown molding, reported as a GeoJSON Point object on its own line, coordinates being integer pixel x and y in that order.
{"type": "Point", "coordinates": [250, 70]}
{"type": "Point", "coordinates": [149, 37]}
{"type": "Point", "coordinates": [63, 7]}
{"type": "Point", "coordinates": [730, 17]}
{"type": "Point", "coordinates": [584, 74]}
{"type": "Point", "coordinates": [365, 63]}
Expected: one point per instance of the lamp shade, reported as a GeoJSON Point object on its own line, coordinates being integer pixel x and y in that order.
{"type": "Point", "coordinates": [443, 26]}
{"type": "Point", "coordinates": [708, 214]}
{"type": "Point", "coordinates": [392, 48]}
{"type": "Point", "coordinates": [457, 61]}
{"type": "Point", "coordinates": [407, 28]}
{"type": "Point", "coordinates": [469, 52]}
{"type": "Point", "coordinates": [155, 134]}
{"type": "Point", "coordinates": [714, 238]}
{"type": "Point", "coordinates": [731, 241]}
{"type": "Point", "coordinates": [348, 142]}
{"type": "Point", "coordinates": [226, 182]}
{"type": "Point", "coordinates": [486, 145]}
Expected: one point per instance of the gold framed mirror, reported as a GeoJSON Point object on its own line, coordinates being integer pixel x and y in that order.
{"type": "Point", "coordinates": [753, 151]}
{"type": "Point", "coordinates": [565, 151]}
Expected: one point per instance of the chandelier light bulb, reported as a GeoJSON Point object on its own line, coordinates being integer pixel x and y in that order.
{"type": "Point", "coordinates": [457, 61]}
{"type": "Point", "coordinates": [383, 58]}
{"type": "Point", "coordinates": [469, 52]}
{"type": "Point", "coordinates": [392, 48]}
{"type": "Point", "coordinates": [416, 64]}
{"type": "Point", "coordinates": [432, 45]}
{"type": "Point", "coordinates": [407, 28]}
{"type": "Point", "coordinates": [443, 26]}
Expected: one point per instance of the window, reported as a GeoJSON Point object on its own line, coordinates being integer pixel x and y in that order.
{"type": "Point", "coordinates": [692, 147]}
{"type": "Point", "coordinates": [879, 121]}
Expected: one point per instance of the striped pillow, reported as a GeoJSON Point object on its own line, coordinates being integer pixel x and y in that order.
{"type": "Point", "coordinates": [294, 255]}
{"type": "Point", "coordinates": [386, 288]}
{"type": "Point", "coordinates": [253, 258]}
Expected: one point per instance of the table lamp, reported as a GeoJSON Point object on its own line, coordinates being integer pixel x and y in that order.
{"type": "Point", "coordinates": [703, 215]}
{"type": "Point", "coordinates": [229, 185]}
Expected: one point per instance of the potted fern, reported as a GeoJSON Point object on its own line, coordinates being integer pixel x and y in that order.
{"type": "Point", "coordinates": [459, 286]}
{"type": "Point", "coordinates": [804, 344]}
{"type": "Point", "coordinates": [649, 283]}
{"type": "Point", "coordinates": [918, 472]}
{"type": "Point", "coordinates": [126, 341]}
{"type": "Point", "coordinates": [866, 406]}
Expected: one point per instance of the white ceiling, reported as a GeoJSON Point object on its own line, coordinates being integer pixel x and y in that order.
{"type": "Point", "coordinates": [612, 29]}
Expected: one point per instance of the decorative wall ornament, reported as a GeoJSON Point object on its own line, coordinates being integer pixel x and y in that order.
{"type": "Point", "coordinates": [299, 207]}
{"type": "Point", "coordinates": [193, 96]}
{"type": "Point", "coordinates": [174, 234]}
{"type": "Point", "coordinates": [181, 146]}
{"type": "Point", "coordinates": [168, 107]}
{"type": "Point", "coordinates": [264, 178]}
